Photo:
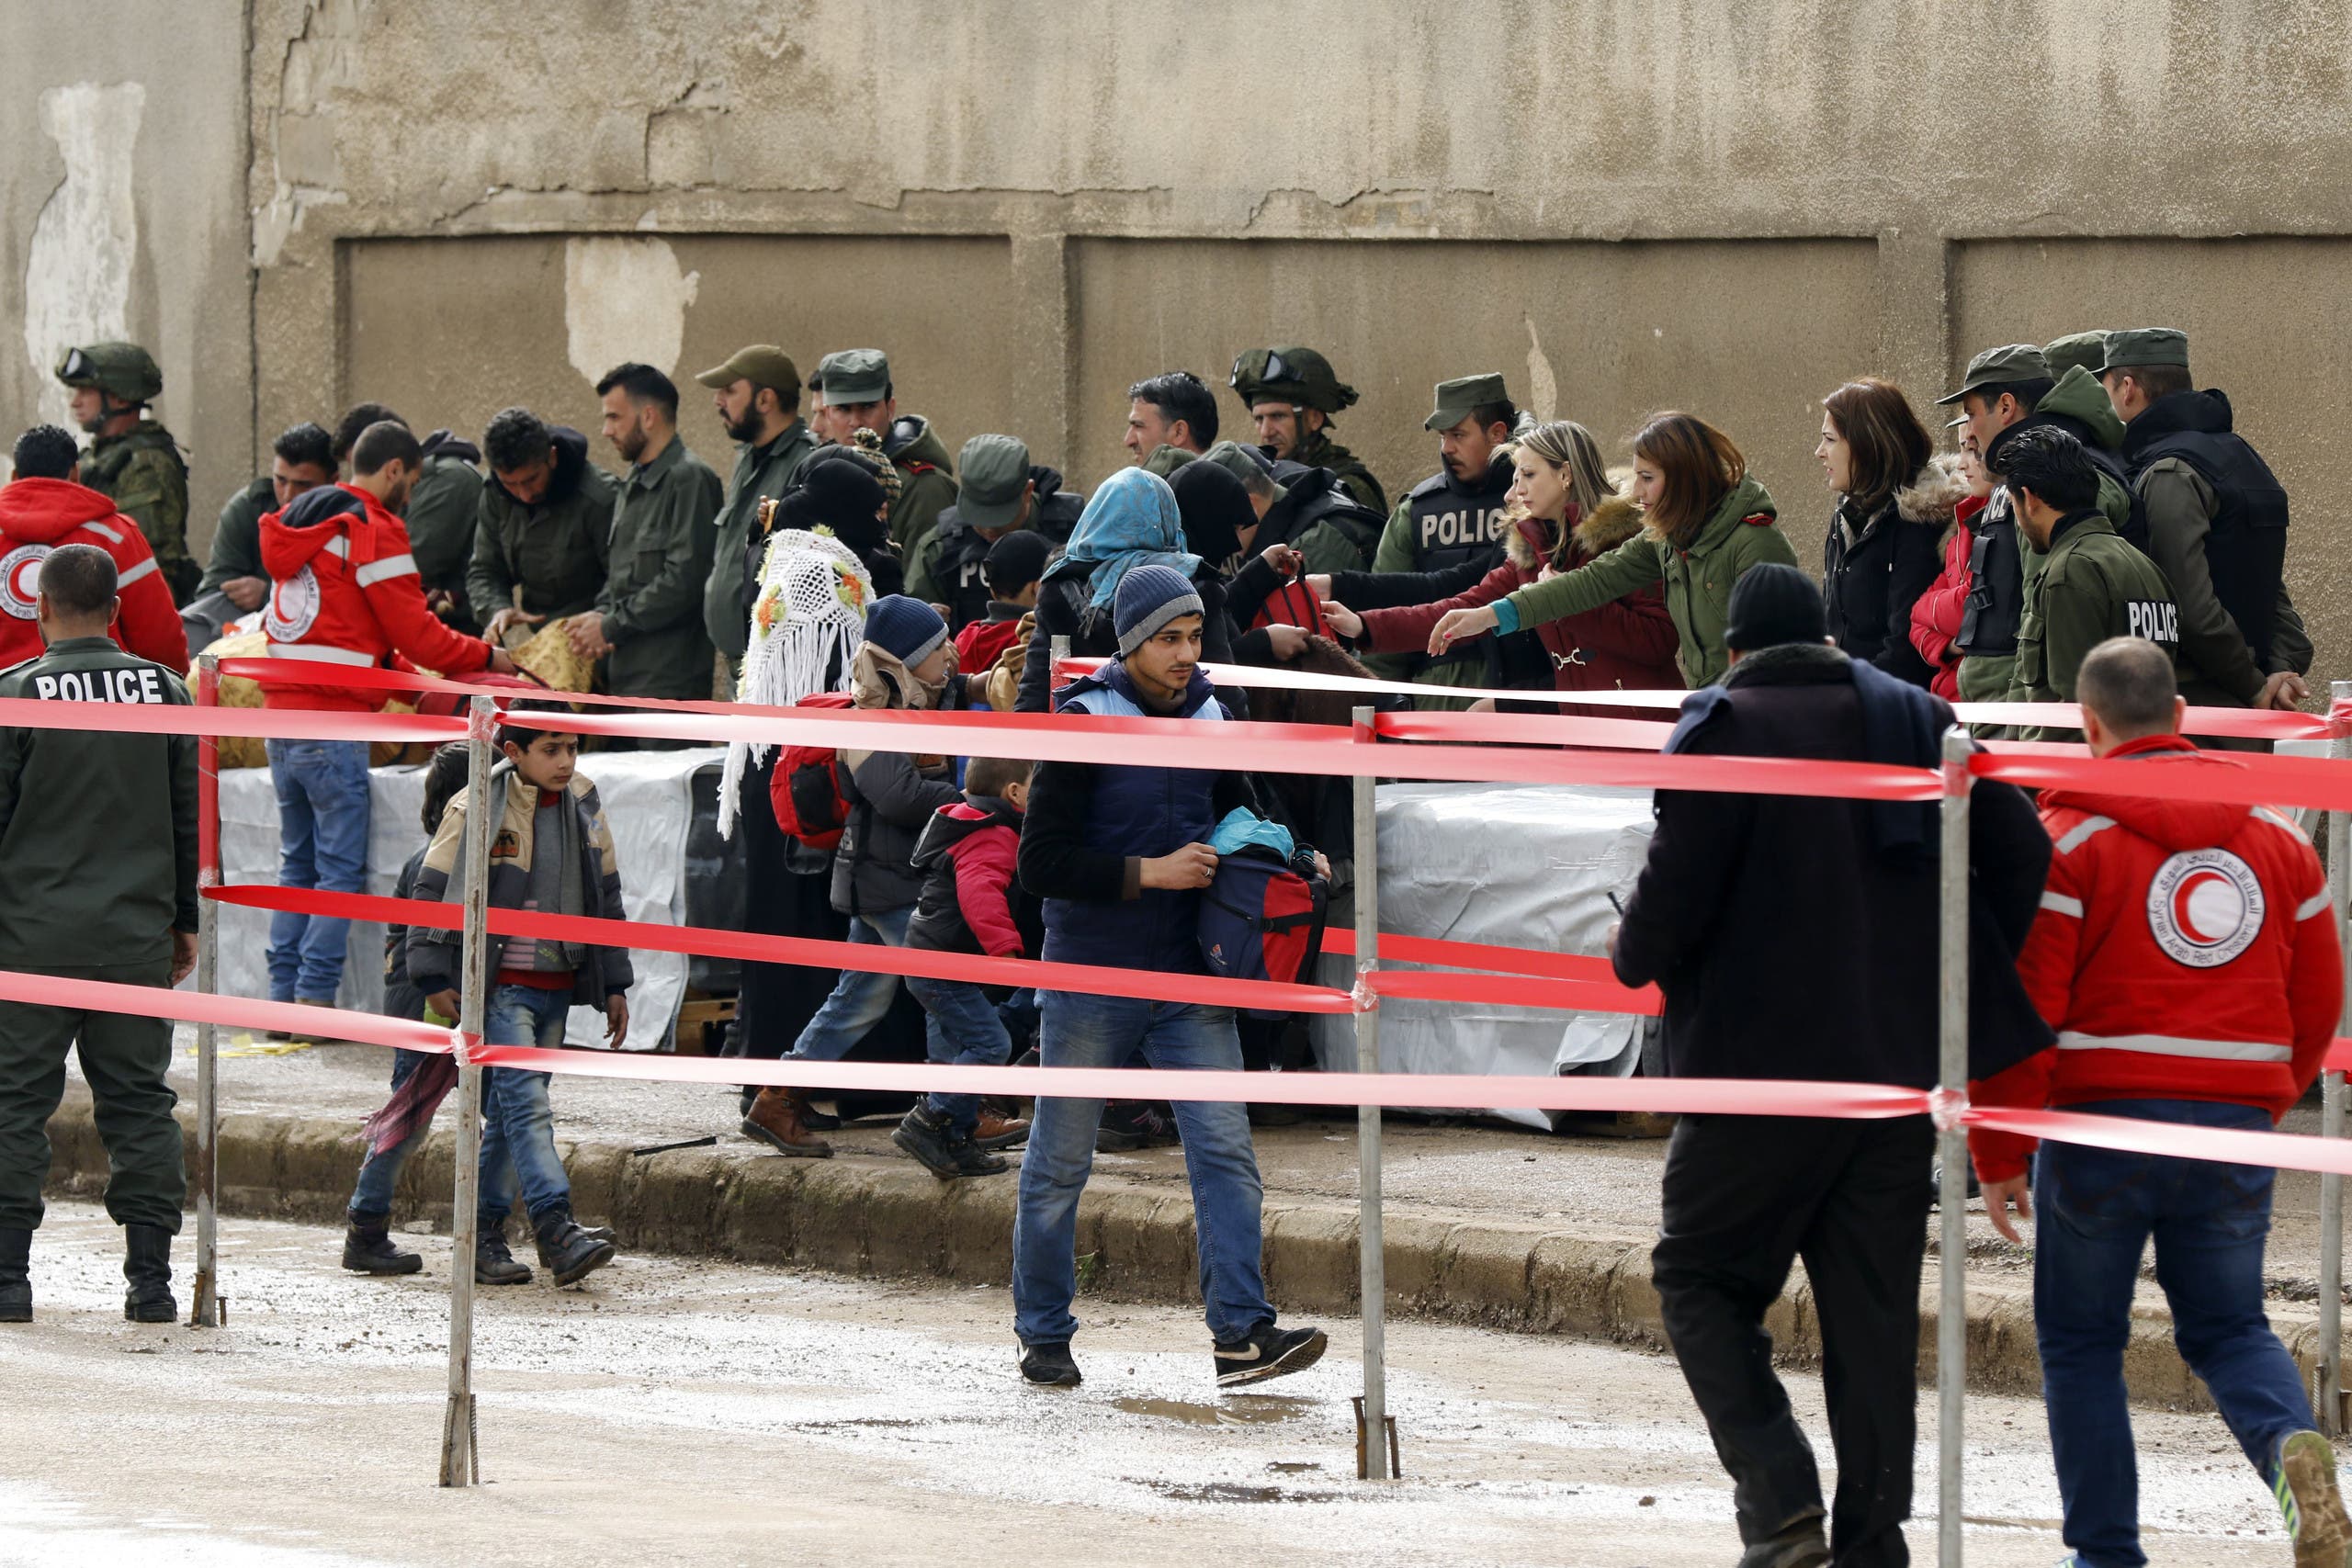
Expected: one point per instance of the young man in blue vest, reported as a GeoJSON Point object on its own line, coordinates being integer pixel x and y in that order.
{"type": "Point", "coordinates": [1120, 856]}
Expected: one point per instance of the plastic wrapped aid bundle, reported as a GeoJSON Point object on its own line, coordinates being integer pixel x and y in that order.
{"type": "Point", "coordinates": [807, 621]}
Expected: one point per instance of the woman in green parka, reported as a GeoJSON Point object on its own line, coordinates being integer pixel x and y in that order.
{"type": "Point", "coordinates": [1704, 523]}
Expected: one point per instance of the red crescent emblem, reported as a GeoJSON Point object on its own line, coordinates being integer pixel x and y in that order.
{"type": "Point", "coordinates": [2183, 901]}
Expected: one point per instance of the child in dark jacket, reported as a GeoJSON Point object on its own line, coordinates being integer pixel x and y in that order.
{"type": "Point", "coordinates": [972, 902]}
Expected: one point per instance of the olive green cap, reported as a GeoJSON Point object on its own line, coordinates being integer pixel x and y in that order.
{"type": "Point", "coordinates": [1166, 459]}
{"type": "Point", "coordinates": [990, 473]}
{"type": "Point", "coordinates": [121, 369]}
{"type": "Point", "coordinates": [760, 364]}
{"type": "Point", "coordinates": [1456, 398]}
{"type": "Point", "coordinates": [2146, 345]}
{"type": "Point", "coordinates": [854, 375]}
{"type": "Point", "coordinates": [1288, 373]}
{"type": "Point", "coordinates": [2086, 349]}
{"type": "Point", "coordinates": [1999, 368]}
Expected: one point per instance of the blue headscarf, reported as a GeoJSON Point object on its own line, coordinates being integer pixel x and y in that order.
{"type": "Point", "coordinates": [1130, 521]}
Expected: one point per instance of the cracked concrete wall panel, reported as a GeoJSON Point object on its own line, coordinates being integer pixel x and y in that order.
{"type": "Point", "coordinates": [449, 330]}
{"type": "Point", "coordinates": [1745, 333]}
{"type": "Point", "coordinates": [2283, 362]}
{"type": "Point", "coordinates": [122, 214]}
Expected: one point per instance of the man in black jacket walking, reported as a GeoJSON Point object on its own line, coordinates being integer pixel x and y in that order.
{"type": "Point", "coordinates": [1794, 937]}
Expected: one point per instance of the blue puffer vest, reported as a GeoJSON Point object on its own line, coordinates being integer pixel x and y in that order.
{"type": "Point", "coordinates": [1143, 811]}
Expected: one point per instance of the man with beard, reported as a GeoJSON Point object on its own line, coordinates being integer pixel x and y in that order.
{"type": "Point", "coordinates": [1292, 394]}
{"type": "Point", "coordinates": [997, 492]}
{"type": "Point", "coordinates": [648, 620]}
{"type": "Point", "coordinates": [1455, 515]}
{"type": "Point", "coordinates": [855, 393]}
{"type": "Point", "coordinates": [757, 394]}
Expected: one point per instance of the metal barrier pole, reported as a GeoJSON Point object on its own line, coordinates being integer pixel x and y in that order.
{"type": "Point", "coordinates": [2327, 1396]}
{"type": "Point", "coordinates": [1373, 1437]}
{"type": "Point", "coordinates": [1058, 649]}
{"type": "Point", "coordinates": [1951, 1314]}
{"type": "Point", "coordinates": [204, 1308]}
{"type": "Point", "coordinates": [460, 1454]}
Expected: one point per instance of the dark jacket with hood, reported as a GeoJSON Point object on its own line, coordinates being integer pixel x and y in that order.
{"type": "Point", "coordinates": [946, 566]}
{"type": "Point", "coordinates": [972, 897]}
{"type": "Point", "coordinates": [1794, 936]}
{"type": "Point", "coordinates": [926, 480]}
{"type": "Point", "coordinates": [549, 557]}
{"type": "Point", "coordinates": [891, 794]}
{"type": "Point", "coordinates": [1875, 564]}
{"type": "Point", "coordinates": [1090, 828]}
{"type": "Point", "coordinates": [761, 473]}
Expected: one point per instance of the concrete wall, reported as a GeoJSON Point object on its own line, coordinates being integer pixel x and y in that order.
{"type": "Point", "coordinates": [1727, 208]}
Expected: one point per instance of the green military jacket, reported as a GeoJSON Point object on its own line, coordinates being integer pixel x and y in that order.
{"type": "Point", "coordinates": [440, 516]}
{"type": "Point", "coordinates": [142, 473]}
{"type": "Point", "coordinates": [1319, 451]}
{"type": "Point", "coordinates": [236, 538]}
{"type": "Point", "coordinates": [926, 488]}
{"type": "Point", "coordinates": [651, 605]}
{"type": "Point", "coordinates": [548, 558]}
{"type": "Point", "coordinates": [761, 473]}
{"type": "Point", "coordinates": [2091, 586]}
{"type": "Point", "coordinates": [1743, 531]}
{"type": "Point", "coordinates": [97, 831]}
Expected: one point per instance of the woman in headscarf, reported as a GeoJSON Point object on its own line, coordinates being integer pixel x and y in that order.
{"type": "Point", "coordinates": [1131, 520]}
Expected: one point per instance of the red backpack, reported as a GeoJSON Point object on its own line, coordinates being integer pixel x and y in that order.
{"type": "Point", "coordinates": [1260, 920]}
{"type": "Point", "coordinates": [806, 790]}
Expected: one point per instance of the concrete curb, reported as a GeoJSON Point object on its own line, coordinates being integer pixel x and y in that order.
{"type": "Point", "coordinates": [865, 1215]}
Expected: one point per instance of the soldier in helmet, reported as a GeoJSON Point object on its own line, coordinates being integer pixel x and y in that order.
{"type": "Point", "coordinates": [133, 460]}
{"type": "Point", "coordinates": [1291, 394]}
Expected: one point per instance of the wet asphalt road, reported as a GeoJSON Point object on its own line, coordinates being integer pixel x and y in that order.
{"type": "Point", "coordinates": [676, 1412]}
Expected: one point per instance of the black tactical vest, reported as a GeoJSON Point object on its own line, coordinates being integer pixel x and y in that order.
{"type": "Point", "coordinates": [2246, 550]}
{"type": "Point", "coordinates": [1988, 619]}
{"type": "Point", "coordinates": [1452, 525]}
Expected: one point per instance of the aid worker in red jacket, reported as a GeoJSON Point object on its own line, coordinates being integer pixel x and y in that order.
{"type": "Point", "coordinates": [47, 505]}
{"type": "Point", "coordinates": [343, 591]}
{"type": "Point", "coordinates": [2186, 952]}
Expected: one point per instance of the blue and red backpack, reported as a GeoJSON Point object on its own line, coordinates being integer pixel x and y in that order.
{"type": "Point", "coordinates": [1261, 921]}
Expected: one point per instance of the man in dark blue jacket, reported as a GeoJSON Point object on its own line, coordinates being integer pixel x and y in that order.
{"type": "Point", "coordinates": [1120, 856]}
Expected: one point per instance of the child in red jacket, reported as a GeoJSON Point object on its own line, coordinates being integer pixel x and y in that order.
{"type": "Point", "coordinates": [970, 903]}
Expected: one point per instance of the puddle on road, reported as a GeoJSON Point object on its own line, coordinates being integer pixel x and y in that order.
{"type": "Point", "coordinates": [1233, 1492]}
{"type": "Point", "coordinates": [1240, 1410]}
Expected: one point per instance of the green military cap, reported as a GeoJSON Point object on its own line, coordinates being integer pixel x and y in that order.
{"type": "Point", "coordinates": [1246, 463]}
{"type": "Point", "coordinates": [990, 473]}
{"type": "Point", "coordinates": [122, 369]}
{"type": "Point", "coordinates": [762, 364]}
{"type": "Point", "coordinates": [854, 375]}
{"type": "Point", "coordinates": [1456, 398]}
{"type": "Point", "coordinates": [2086, 349]}
{"type": "Point", "coordinates": [1293, 375]}
{"type": "Point", "coordinates": [1166, 459]}
{"type": "Point", "coordinates": [2136, 347]}
{"type": "Point", "coordinates": [1999, 368]}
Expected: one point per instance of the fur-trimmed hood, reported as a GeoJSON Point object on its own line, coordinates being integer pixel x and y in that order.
{"type": "Point", "coordinates": [1934, 493]}
{"type": "Point", "coordinates": [1608, 526]}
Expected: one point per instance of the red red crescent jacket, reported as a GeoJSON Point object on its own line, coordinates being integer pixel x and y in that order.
{"type": "Point", "coordinates": [1936, 613]}
{"type": "Point", "coordinates": [38, 515]}
{"type": "Point", "coordinates": [343, 588]}
{"type": "Point", "coordinates": [2184, 950]}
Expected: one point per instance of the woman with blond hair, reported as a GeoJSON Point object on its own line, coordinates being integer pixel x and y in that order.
{"type": "Point", "coordinates": [1886, 536]}
{"type": "Point", "coordinates": [1564, 513]}
{"type": "Point", "coordinates": [1704, 521]}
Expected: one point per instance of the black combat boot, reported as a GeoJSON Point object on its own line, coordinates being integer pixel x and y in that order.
{"type": "Point", "coordinates": [367, 1250]}
{"type": "Point", "coordinates": [569, 1252]}
{"type": "Point", "coordinates": [16, 1278]}
{"type": "Point", "coordinates": [147, 1264]}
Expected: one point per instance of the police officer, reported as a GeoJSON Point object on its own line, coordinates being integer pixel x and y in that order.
{"type": "Point", "coordinates": [97, 851]}
{"type": "Point", "coordinates": [997, 492]}
{"type": "Point", "coordinates": [2092, 585]}
{"type": "Point", "coordinates": [1292, 394]}
{"type": "Point", "coordinates": [1456, 515]}
{"type": "Point", "coordinates": [856, 394]}
{"type": "Point", "coordinates": [2217, 524]}
{"type": "Point", "coordinates": [758, 399]}
{"type": "Point", "coordinates": [133, 460]}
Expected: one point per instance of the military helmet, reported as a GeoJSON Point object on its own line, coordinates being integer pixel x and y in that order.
{"type": "Point", "coordinates": [1288, 372]}
{"type": "Point", "coordinates": [123, 370]}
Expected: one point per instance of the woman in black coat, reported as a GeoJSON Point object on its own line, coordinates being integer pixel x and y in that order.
{"type": "Point", "coordinates": [1883, 549]}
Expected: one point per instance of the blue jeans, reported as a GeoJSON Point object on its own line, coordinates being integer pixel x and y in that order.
{"type": "Point", "coordinates": [2097, 1210]}
{"type": "Point", "coordinates": [322, 807]}
{"type": "Point", "coordinates": [960, 1027]}
{"type": "Point", "coordinates": [518, 1126]}
{"type": "Point", "coordinates": [371, 1199]}
{"type": "Point", "coordinates": [859, 1000]}
{"type": "Point", "coordinates": [1108, 1031]}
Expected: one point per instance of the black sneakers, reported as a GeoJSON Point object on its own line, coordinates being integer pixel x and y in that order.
{"type": "Point", "coordinates": [368, 1249]}
{"type": "Point", "coordinates": [1131, 1124]}
{"type": "Point", "coordinates": [1268, 1352]}
{"type": "Point", "coordinates": [1049, 1365]}
{"type": "Point", "coordinates": [934, 1144]}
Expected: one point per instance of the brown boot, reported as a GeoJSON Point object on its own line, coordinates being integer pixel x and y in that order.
{"type": "Point", "coordinates": [775, 1120]}
{"type": "Point", "coordinates": [1000, 1131]}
